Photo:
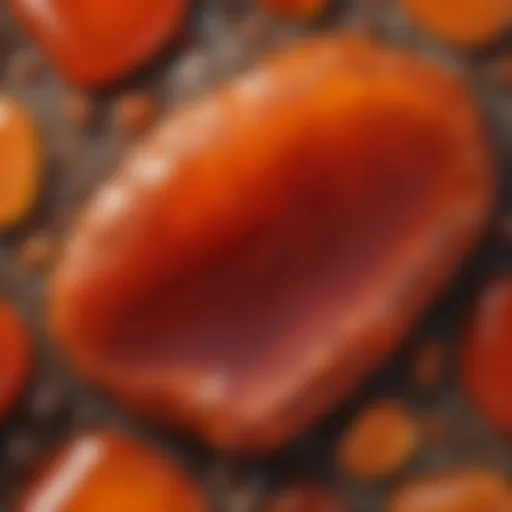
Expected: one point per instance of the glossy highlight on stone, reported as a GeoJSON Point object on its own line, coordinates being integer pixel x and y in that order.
{"type": "Point", "coordinates": [93, 42]}
{"type": "Point", "coordinates": [487, 356]}
{"type": "Point", "coordinates": [14, 359]}
{"type": "Point", "coordinates": [264, 250]}
{"type": "Point", "coordinates": [106, 471]}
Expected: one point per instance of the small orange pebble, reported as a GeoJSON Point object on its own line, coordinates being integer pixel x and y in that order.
{"type": "Point", "coordinates": [487, 357]}
{"type": "Point", "coordinates": [304, 9]}
{"type": "Point", "coordinates": [461, 22]}
{"type": "Point", "coordinates": [14, 360]}
{"type": "Point", "coordinates": [93, 42]}
{"type": "Point", "coordinates": [462, 491]}
{"type": "Point", "coordinates": [37, 251]}
{"type": "Point", "coordinates": [135, 112]}
{"type": "Point", "coordinates": [100, 472]}
{"type": "Point", "coordinates": [428, 366]}
{"type": "Point", "coordinates": [304, 497]}
{"type": "Point", "coordinates": [379, 443]}
{"type": "Point", "coordinates": [78, 109]}
{"type": "Point", "coordinates": [20, 172]}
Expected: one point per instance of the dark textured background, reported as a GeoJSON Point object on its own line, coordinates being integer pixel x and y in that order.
{"type": "Point", "coordinates": [224, 37]}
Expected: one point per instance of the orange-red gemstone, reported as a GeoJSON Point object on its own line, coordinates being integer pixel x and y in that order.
{"type": "Point", "coordinates": [93, 42]}
{"type": "Point", "coordinates": [380, 442]}
{"type": "Point", "coordinates": [487, 357]}
{"type": "Point", "coordinates": [100, 472]}
{"type": "Point", "coordinates": [264, 250]}
{"type": "Point", "coordinates": [14, 358]}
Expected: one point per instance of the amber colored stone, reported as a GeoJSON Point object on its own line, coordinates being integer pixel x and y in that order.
{"type": "Point", "coordinates": [487, 357]}
{"type": "Point", "coordinates": [20, 172]}
{"type": "Point", "coordinates": [295, 8]}
{"type": "Point", "coordinates": [462, 491]}
{"type": "Point", "coordinates": [381, 441]}
{"type": "Point", "coordinates": [14, 360]}
{"type": "Point", "coordinates": [263, 250]}
{"type": "Point", "coordinates": [101, 472]}
{"type": "Point", "coordinates": [304, 497]}
{"type": "Point", "coordinates": [92, 42]}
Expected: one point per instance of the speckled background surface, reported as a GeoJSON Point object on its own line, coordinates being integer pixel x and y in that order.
{"type": "Point", "coordinates": [224, 37]}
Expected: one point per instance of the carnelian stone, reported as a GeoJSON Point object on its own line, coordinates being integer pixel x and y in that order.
{"type": "Point", "coordinates": [14, 358]}
{"type": "Point", "coordinates": [265, 249]}
{"type": "Point", "coordinates": [381, 441]}
{"type": "Point", "coordinates": [92, 42]}
{"type": "Point", "coordinates": [100, 472]}
{"type": "Point", "coordinates": [21, 170]}
{"type": "Point", "coordinates": [487, 357]}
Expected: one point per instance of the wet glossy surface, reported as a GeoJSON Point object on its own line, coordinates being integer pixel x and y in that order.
{"type": "Point", "coordinates": [93, 42]}
{"type": "Point", "coordinates": [280, 259]}
{"type": "Point", "coordinates": [103, 471]}
{"type": "Point", "coordinates": [92, 161]}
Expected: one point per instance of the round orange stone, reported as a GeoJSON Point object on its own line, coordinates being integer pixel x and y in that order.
{"type": "Point", "coordinates": [102, 472]}
{"type": "Point", "coordinates": [93, 42]}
